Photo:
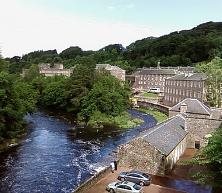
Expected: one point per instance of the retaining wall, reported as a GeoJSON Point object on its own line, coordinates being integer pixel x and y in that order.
{"type": "Point", "coordinates": [157, 106]}
{"type": "Point", "coordinates": [92, 181]}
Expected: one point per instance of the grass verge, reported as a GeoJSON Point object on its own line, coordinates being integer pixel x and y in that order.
{"type": "Point", "coordinates": [159, 116]}
{"type": "Point", "coordinates": [124, 120]}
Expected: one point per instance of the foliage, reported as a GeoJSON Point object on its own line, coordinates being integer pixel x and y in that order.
{"type": "Point", "coordinates": [79, 85]}
{"type": "Point", "coordinates": [213, 70]}
{"type": "Point", "coordinates": [31, 73]}
{"type": "Point", "coordinates": [54, 93]}
{"type": "Point", "coordinates": [159, 116]}
{"type": "Point", "coordinates": [4, 65]}
{"type": "Point", "coordinates": [178, 48]}
{"type": "Point", "coordinates": [211, 156]}
{"type": "Point", "coordinates": [16, 99]}
{"type": "Point", "coordinates": [108, 96]}
{"type": "Point", "coordinates": [124, 120]}
{"type": "Point", "coordinates": [71, 53]}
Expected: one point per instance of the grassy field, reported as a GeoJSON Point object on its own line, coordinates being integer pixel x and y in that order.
{"type": "Point", "coordinates": [150, 95]}
{"type": "Point", "coordinates": [125, 120]}
{"type": "Point", "coordinates": [159, 116]}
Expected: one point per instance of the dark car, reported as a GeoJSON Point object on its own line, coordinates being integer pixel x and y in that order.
{"type": "Point", "coordinates": [137, 177]}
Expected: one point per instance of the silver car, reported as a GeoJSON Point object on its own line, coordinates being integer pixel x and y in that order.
{"type": "Point", "coordinates": [124, 187]}
{"type": "Point", "coordinates": [137, 177]}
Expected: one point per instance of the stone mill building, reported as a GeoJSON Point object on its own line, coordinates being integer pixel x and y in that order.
{"type": "Point", "coordinates": [157, 149]}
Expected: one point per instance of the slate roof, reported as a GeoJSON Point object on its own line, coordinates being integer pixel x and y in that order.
{"type": "Point", "coordinates": [157, 71]}
{"type": "Point", "coordinates": [193, 106]}
{"type": "Point", "coordinates": [99, 66]}
{"type": "Point", "coordinates": [166, 136]}
{"type": "Point", "coordinates": [108, 67]}
{"type": "Point", "coordinates": [195, 76]}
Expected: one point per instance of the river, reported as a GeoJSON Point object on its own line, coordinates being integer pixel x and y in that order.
{"type": "Point", "coordinates": [50, 160]}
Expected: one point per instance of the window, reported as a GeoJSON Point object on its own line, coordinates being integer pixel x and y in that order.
{"type": "Point", "coordinates": [135, 176]}
{"type": "Point", "coordinates": [197, 144]}
{"type": "Point", "coordinates": [127, 187]}
{"type": "Point", "coordinates": [121, 186]}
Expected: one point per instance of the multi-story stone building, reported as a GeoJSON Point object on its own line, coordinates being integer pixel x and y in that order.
{"type": "Point", "coordinates": [183, 86]}
{"type": "Point", "coordinates": [114, 70]}
{"type": "Point", "coordinates": [152, 78]}
{"type": "Point", "coordinates": [51, 70]}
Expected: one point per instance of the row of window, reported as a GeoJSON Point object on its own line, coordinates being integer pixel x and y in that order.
{"type": "Point", "coordinates": [151, 83]}
{"type": "Point", "coordinates": [152, 77]}
{"type": "Point", "coordinates": [184, 93]}
{"type": "Point", "coordinates": [173, 99]}
{"type": "Point", "coordinates": [184, 83]}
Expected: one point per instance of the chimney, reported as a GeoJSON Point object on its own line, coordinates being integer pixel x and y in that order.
{"type": "Point", "coordinates": [183, 108]}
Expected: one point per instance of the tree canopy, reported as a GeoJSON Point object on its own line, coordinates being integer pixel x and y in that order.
{"type": "Point", "coordinates": [16, 99]}
{"type": "Point", "coordinates": [211, 156]}
{"type": "Point", "coordinates": [213, 70]}
{"type": "Point", "coordinates": [108, 96]}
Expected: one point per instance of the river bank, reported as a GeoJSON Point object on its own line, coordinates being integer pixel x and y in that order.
{"type": "Point", "coordinates": [48, 159]}
{"type": "Point", "coordinates": [7, 144]}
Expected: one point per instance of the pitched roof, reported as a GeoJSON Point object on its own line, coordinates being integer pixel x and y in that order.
{"type": "Point", "coordinates": [157, 71]}
{"type": "Point", "coordinates": [108, 67]}
{"type": "Point", "coordinates": [167, 135]}
{"type": "Point", "coordinates": [103, 66]}
{"type": "Point", "coordinates": [193, 106]}
{"type": "Point", "coordinates": [195, 76]}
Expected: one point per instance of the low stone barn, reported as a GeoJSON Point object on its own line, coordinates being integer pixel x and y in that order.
{"type": "Point", "coordinates": [201, 120]}
{"type": "Point", "coordinates": [156, 150]}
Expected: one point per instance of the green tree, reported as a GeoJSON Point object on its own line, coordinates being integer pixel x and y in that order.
{"type": "Point", "coordinates": [31, 73]}
{"type": "Point", "coordinates": [54, 93]}
{"type": "Point", "coordinates": [108, 96]}
{"type": "Point", "coordinates": [78, 86]}
{"type": "Point", "coordinates": [16, 99]}
{"type": "Point", "coordinates": [211, 156]}
{"type": "Point", "coordinates": [213, 70]}
{"type": "Point", "coordinates": [71, 52]}
{"type": "Point", "coordinates": [4, 65]}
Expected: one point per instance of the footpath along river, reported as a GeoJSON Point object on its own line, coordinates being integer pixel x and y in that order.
{"type": "Point", "coordinates": [50, 160]}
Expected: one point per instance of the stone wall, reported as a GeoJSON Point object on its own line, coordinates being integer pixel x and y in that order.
{"type": "Point", "coordinates": [159, 107]}
{"type": "Point", "coordinates": [198, 128]}
{"type": "Point", "coordinates": [92, 181]}
{"type": "Point", "coordinates": [140, 155]}
{"type": "Point", "coordinates": [199, 125]}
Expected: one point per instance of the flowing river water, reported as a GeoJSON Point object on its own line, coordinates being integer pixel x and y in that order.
{"type": "Point", "coordinates": [50, 160]}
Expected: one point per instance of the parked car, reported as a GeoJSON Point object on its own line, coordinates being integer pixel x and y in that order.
{"type": "Point", "coordinates": [136, 177]}
{"type": "Point", "coordinates": [124, 187]}
{"type": "Point", "coordinates": [154, 90]}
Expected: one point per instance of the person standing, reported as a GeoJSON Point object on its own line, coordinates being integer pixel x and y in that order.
{"type": "Point", "coordinates": [112, 166]}
{"type": "Point", "coordinates": [115, 164]}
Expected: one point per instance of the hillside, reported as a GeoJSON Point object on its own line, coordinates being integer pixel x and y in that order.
{"type": "Point", "coordinates": [178, 48]}
{"type": "Point", "coordinates": [183, 48]}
